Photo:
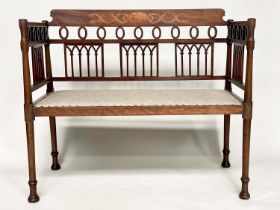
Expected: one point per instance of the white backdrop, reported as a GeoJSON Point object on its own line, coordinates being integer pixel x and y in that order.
{"type": "Point", "coordinates": [158, 162]}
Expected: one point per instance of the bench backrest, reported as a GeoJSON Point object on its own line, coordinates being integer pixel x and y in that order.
{"type": "Point", "coordinates": [138, 35]}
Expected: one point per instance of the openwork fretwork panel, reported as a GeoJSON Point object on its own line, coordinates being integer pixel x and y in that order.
{"type": "Point", "coordinates": [238, 32]}
{"type": "Point", "coordinates": [38, 69]}
{"type": "Point", "coordinates": [194, 59]}
{"type": "Point", "coordinates": [139, 60]}
{"type": "Point", "coordinates": [38, 33]}
{"type": "Point", "coordinates": [238, 63]}
{"type": "Point", "coordinates": [84, 60]}
{"type": "Point", "coordinates": [160, 34]}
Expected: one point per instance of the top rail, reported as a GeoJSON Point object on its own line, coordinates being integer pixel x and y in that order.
{"type": "Point", "coordinates": [174, 17]}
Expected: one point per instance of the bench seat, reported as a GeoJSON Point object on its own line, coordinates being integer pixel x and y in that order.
{"type": "Point", "coordinates": [137, 102]}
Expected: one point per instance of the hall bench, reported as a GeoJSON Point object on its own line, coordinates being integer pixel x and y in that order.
{"type": "Point", "coordinates": [137, 37]}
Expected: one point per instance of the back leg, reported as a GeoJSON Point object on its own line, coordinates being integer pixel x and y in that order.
{"type": "Point", "coordinates": [54, 153]}
{"type": "Point", "coordinates": [226, 151]}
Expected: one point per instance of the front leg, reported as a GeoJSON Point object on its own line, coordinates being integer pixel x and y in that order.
{"type": "Point", "coordinates": [244, 194]}
{"type": "Point", "coordinates": [33, 197]}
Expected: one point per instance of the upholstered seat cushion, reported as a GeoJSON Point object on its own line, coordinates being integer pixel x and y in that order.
{"type": "Point", "coordinates": [147, 97]}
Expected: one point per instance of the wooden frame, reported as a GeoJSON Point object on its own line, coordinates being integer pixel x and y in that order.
{"type": "Point", "coordinates": [240, 42]}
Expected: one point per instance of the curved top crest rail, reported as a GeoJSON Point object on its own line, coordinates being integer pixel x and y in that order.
{"type": "Point", "coordinates": [175, 17]}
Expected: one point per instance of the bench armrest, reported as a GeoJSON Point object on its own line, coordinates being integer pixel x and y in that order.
{"type": "Point", "coordinates": [240, 45]}
{"type": "Point", "coordinates": [35, 50]}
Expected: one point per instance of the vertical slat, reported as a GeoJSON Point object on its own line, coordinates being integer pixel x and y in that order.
{"type": "Point", "coordinates": [39, 64]}
{"type": "Point", "coordinates": [157, 54]}
{"type": "Point", "coordinates": [88, 60]}
{"type": "Point", "coordinates": [234, 61]}
{"type": "Point", "coordinates": [151, 61]}
{"type": "Point", "coordinates": [176, 60]}
{"type": "Point", "coordinates": [198, 60]}
{"type": "Point", "coordinates": [127, 63]}
{"type": "Point", "coordinates": [33, 54]}
{"type": "Point", "coordinates": [121, 59]}
{"type": "Point", "coordinates": [80, 61]}
{"type": "Point", "coordinates": [206, 61]}
{"type": "Point", "coordinates": [182, 62]}
{"type": "Point", "coordinates": [48, 68]}
{"type": "Point", "coordinates": [238, 62]}
{"type": "Point", "coordinates": [42, 72]}
{"type": "Point", "coordinates": [228, 66]}
{"type": "Point", "coordinates": [190, 60]}
{"type": "Point", "coordinates": [241, 65]}
{"type": "Point", "coordinates": [35, 66]}
{"type": "Point", "coordinates": [135, 60]}
{"type": "Point", "coordinates": [102, 60]}
{"type": "Point", "coordinates": [96, 63]}
{"type": "Point", "coordinates": [65, 61]}
{"type": "Point", "coordinates": [212, 59]}
{"type": "Point", "coordinates": [72, 61]}
{"type": "Point", "coordinates": [38, 68]}
{"type": "Point", "coordinates": [143, 60]}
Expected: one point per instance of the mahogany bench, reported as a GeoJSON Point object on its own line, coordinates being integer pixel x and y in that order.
{"type": "Point", "coordinates": [138, 36]}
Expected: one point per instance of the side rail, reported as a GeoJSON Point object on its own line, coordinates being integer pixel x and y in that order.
{"type": "Point", "coordinates": [240, 46]}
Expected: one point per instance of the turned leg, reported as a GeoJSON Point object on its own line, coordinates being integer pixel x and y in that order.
{"type": "Point", "coordinates": [226, 151]}
{"type": "Point", "coordinates": [54, 153]}
{"type": "Point", "coordinates": [244, 194]}
{"type": "Point", "coordinates": [33, 197]}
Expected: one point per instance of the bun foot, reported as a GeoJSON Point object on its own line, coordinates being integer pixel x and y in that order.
{"type": "Point", "coordinates": [244, 195]}
{"type": "Point", "coordinates": [55, 166]}
{"type": "Point", "coordinates": [33, 198]}
{"type": "Point", "coordinates": [225, 164]}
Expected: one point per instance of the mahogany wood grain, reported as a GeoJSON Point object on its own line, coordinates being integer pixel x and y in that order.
{"type": "Point", "coordinates": [54, 153]}
{"type": "Point", "coordinates": [142, 41]}
{"type": "Point", "coordinates": [175, 17]}
{"type": "Point", "coordinates": [247, 112]}
{"type": "Point", "coordinates": [226, 151]}
{"type": "Point", "coordinates": [138, 78]}
{"type": "Point", "coordinates": [28, 112]}
{"type": "Point", "coordinates": [239, 42]}
{"type": "Point", "coordinates": [136, 110]}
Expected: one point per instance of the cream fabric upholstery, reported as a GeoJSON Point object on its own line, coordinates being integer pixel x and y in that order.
{"type": "Point", "coordinates": [141, 97]}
